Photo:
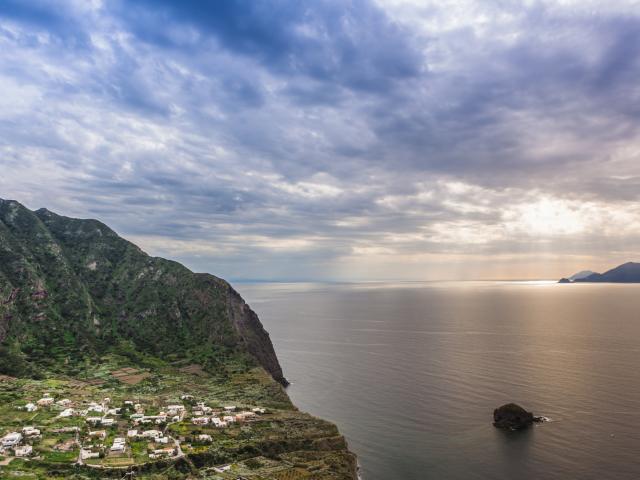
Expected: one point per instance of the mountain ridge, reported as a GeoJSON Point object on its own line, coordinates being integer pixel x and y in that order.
{"type": "Point", "coordinates": [628, 272]}
{"type": "Point", "coordinates": [77, 287]}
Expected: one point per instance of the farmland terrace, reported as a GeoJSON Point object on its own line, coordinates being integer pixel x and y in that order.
{"type": "Point", "coordinates": [170, 421]}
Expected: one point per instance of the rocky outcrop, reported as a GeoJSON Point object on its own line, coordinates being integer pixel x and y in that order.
{"type": "Point", "coordinates": [253, 335]}
{"type": "Point", "coordinates": [512, 417]}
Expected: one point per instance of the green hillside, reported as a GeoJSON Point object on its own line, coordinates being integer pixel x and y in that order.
{"type": "Point", "coordinates": [73, 290]}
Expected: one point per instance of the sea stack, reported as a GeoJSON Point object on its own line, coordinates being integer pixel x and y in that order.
{"type": "Point", "coordinates": [512, 417]}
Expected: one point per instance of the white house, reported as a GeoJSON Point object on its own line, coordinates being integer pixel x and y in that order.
{"type": "Point", "coordinates": [119, 444]}
{"type": "Point", "coordinates": [85, 454]}
{"type": "Point", "coordinates": [11, 439]}
{"type": "Point", "coordinates": [94, 407]}
{"type": "Point", "coordinates": [45, 402]}
{"type": "Point", "coordinates": [200, 420]}
{"type": "Point", "coordinates": [204, 437]}
{"type": "Point", "coordinates": [218, 423]}
{"type": "Point", "coordinates": [259, 410]}
{"type": "Point", "coordinates": [107, 422]}
{"type": "Point", "coordinates": [175, 408]}
{"type": "Point", "coordinates": [65, 402]}
{"type": "Point", "coordinates": [132, 433]}
{"type": "Point", "coordinates": [23, 451]}
{"type": "Point", "coordinates": [30, 407]}
{"type": "Point", "coordinates": [67, 412]}
{"type": "Point", "coordinates": [99, 434]}
{"type": "Point", "coordinates": [242, 416]}
{"type": "Point", "coordinates": [161, 440]}
{"type": "Point", "coordinates": [151, 433]}
{"type": "Point", "coordinates": [30, 431]}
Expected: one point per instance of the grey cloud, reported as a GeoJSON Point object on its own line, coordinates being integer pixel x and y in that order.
{"type": "Point", "coordinates": [276, 131]}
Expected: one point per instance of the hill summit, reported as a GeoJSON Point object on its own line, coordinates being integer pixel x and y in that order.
{"type": "Point", "coordinates": [72, 290]}
{"type": "Point", "coordinates": [626, 273]}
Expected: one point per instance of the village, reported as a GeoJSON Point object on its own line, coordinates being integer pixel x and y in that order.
{"type": "Point", "coordinates": [105, 433]}
{"type": "Point", "coordinates": [167, 423]}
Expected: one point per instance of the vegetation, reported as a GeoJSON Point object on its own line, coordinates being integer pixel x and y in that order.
{"type": "Point", "coordinates": [86, 315]}
{"type": "Point", "coordinates": [73, 290]}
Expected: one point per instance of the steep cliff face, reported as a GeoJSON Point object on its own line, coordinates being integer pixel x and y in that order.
{"type": "Point", "coordinates": [74, 289]}
{"type": "Point", "coordinates": [253, 334]}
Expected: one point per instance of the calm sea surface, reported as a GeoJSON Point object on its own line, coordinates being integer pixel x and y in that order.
{"type": "Point", "coordinates": [412, 372]}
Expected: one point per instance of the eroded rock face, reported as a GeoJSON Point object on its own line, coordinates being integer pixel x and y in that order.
{"type": "Point", "coordinates": [253, 335]}
{"type": "Point", "coordinates": [512, 417]}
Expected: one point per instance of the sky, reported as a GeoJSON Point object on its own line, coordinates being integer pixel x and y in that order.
{"type": "Point", "coordinates": [341, 140]}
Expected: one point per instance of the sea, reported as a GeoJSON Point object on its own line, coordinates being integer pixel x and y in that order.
{"type": "Point", "coordinates": [411, 374]}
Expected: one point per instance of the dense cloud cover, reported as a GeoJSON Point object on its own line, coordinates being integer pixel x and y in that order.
{"type": "Point", "coordinates": [332, 139]}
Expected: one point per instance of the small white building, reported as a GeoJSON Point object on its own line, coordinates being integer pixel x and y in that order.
{"type": "Point", "coordinates": [86, 453]}
{"type": "Point", "coordinates": [107, 422]}
{"type": "Point", "coordinates": [65, 402]}
{"type": "Point", "coordinates": [45, 402]}
{"type": "Point", "coordinates": [242, 416]}
{"type": "Point", "coordinates": [230, 408]}
{"type": "Point", "coordinates": [204, 437]}
{"type": "Point", "coordinates": [67, 412]}
{"type": "Point", "coordinates": [222, 468]}
{"type": "Point", "coordinates": [168, 451]}
{"type": "Point", "coordinates": [132, 433]}
{"type": "Point", "coordinates": [218, 423]}
{"type": "Point", "coordinates": [23, 451]}
{"type": "Point", "coordinates": [11, 439]}
{"type": "Point", "coordinates": [200, 421]}
{"type": "Point", "coordinates": [98, 434]}
{"type": "Point", "coordinates": [94, 407]}
{"type": "Point", "coordinates": [119, 444]}
{"type": "Point", "coordinates": [161, 440]}
{"type": "Point", "coordinates": [151, 434]}
{"type": "Point", "coordinates": [229, 419]}
{"type": "Point", "coordinates": [259, 410]}
{"type": "Point", "coordinates": [30, 431]}
{"type": "Point", "coordinates": [30, 407]}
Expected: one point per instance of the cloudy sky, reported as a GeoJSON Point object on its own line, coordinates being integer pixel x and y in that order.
{"type": "Point", "coordinates": [333, 139]}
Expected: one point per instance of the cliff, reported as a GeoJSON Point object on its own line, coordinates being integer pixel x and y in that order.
{"type": "Point", "coordinates": [71, 290]}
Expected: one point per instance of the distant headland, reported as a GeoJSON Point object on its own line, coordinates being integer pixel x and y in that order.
{"type": "Point", "coordinates": [625, 273]}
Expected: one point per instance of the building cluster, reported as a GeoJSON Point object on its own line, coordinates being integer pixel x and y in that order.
{"type": "Point", "coordinates": [101, 417]}
{"type": "Point", "coordinates": [203, 415]}
{"type": "Point", "coordinates": [19, 443]}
